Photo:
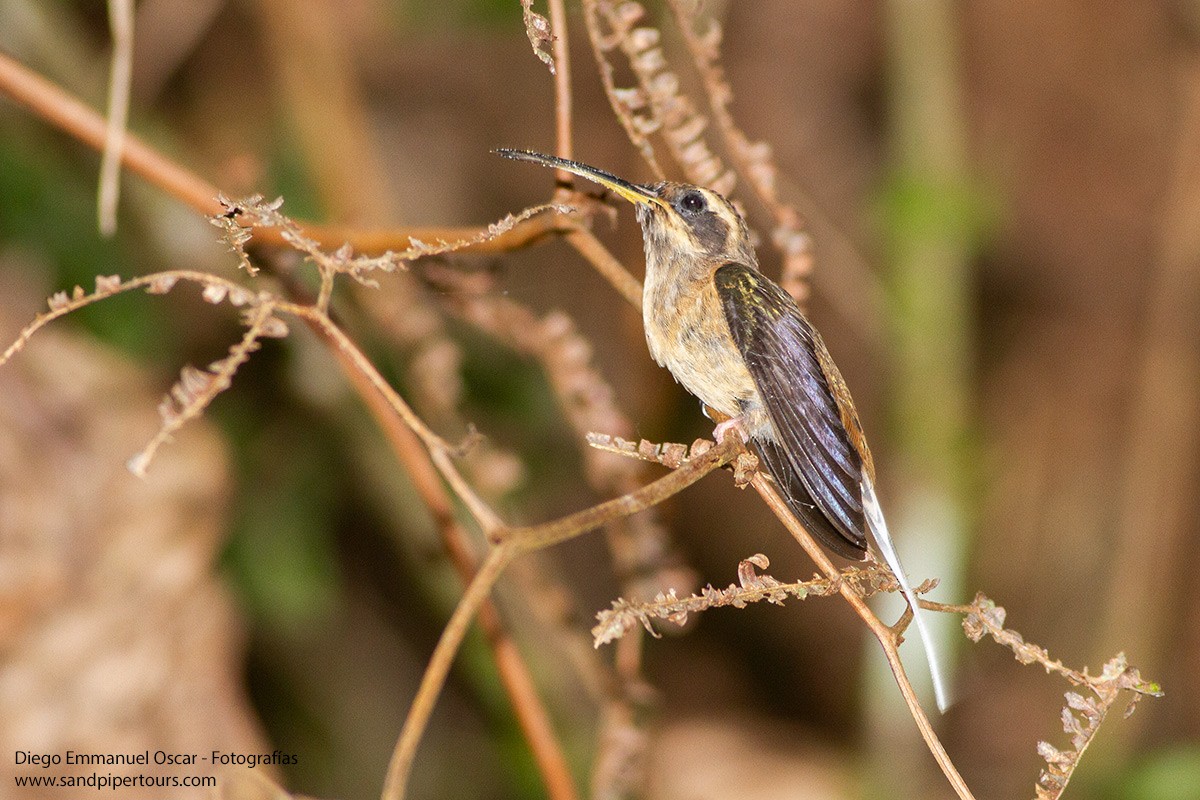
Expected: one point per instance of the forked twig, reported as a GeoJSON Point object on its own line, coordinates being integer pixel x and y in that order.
{"type": "Point", "coordinates": [1081, 716]}
{"type": "Point", "coordinates": [752, 587]}
{"type": "Point", "coordinates": [882, 632]}
{"type": "Point", "coordinates": [508, 543]}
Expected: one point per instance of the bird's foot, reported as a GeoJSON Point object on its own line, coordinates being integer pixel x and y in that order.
{"type": "Point", "coordinates": [731, 424]}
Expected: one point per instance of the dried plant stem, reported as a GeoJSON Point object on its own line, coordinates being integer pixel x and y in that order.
{"type": "Point", "coordinates": [538, 536]}
{"type": "Point", "coordinates": [412, 441]}
{"type": "Point", "coordinates": [514, 673]}
{"type": "Point", "coordinates": [438, 668]}
{"type": "Point", "coordinates": [120, 23]}
{"type": "Point", "coordinates": [407, 440]}
{"type": "Point", "coordinates": [345, 348]}
{"type": "Point", "coordinates": [881, 631]}
{"type": "Point", "coordinates": [81, 300]}
{"type": "Point", "coordinates": [62, 110]}
{"type": "Point", "coordinates": [563, 145]}
{"type": "Point", "coordinates": [429, 459]}
{"type": "Point", "coordinates": [518, 682]}
{"type": "Point", "coordinates": [379, 240]}
{"type": "Point", "coordinates": [752, 161]}
{"type": "Point", "coordinates": [65, 112]}
{"type": "Point", "coordinates": [216, 382]}
{"type": "Point", "coordinates": [609, 267]}
{"type": "Point", "coordinates": [510, 542]}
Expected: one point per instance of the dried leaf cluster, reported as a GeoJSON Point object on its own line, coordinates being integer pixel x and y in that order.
{"type": "Point", "coordinates": [537, 28]}
{"type": "Point", "coordinates": [1082, 715]}
{"type": "Point", "coordinates": [659, 104]}
{"type": "Point", "coordinates": [626, 615]}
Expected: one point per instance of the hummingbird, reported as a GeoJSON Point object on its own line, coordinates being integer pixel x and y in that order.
{"type": "Point", "coordinates": [739, 343]}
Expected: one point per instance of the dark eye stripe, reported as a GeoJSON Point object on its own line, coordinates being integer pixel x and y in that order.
{"type": "Point", "coordinates": [710, 231]}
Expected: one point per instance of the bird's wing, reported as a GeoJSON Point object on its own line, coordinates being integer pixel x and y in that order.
{"type": "Point", "coordinates": [798, 385]}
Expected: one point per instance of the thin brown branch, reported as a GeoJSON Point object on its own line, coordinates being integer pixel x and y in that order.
{"type": "Point", "coordinates": [518, 681]}
{"type": "Point", "coordinates": [523, 539]}
{"type": "Point", "coordinates": [120, 23]}
{"type": "Point", "coordinates": [669, 454]}
{"type": "Point", "coordinates": [609, 267]}
{"type": "Point", "coordinates": [411, 439]}
{"type": "Point", "coordinates": [438, 668]}
{"type": "Point", "coordinates": [1082, 716]}
{"type": "Point", "coordinates": [882, 632]}
{"type": "Point", "coordinates": [424, 455]}
{"type": "Point", "coordinates": [683, 131]}
{"type": "Point", "coordinates": [563, 146]}
{"type": "Point", "coordinates": [62, 304]}
{"type": "Point", "coordinates": [538, 536]}
{"type": "Point", "coordinates": [198, 388]}
{"type": "Point", "coordinates": [514, 673]}
{"type": "Point", "coordinates": [752, 587]}
{"type": "Point", "coordinates": [983, 617]}
{"type": "Point", "coordinates": [644, 558]}
{"type": "Point", "coordinates": [640, 546]}
{"type": "Point", "coordinates": [65, 112]}
{"type": "Point", "coordinates": [648, 67]}
{"type": "Point", "coordinates": [254, 214]}
{"type": "Point", "coordinates": [427, 455]}
{"type": "Point", "coordinates": [380, 240]}
{"type": "Point", "coordinates": [510, 542]}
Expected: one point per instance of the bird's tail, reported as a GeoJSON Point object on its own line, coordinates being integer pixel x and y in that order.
{"type": "Point", "coordinates": [874, 516]}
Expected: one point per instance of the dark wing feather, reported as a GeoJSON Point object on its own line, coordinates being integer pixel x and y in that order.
{"type": "Point", "coordinates": [813, 460]}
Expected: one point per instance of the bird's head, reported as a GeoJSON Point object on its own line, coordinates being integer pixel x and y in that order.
{"type": "Point", "coordinates": [685, 226]}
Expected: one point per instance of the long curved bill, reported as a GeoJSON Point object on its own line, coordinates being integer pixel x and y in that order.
{"type": "Point", "coordinates": [630, 191]}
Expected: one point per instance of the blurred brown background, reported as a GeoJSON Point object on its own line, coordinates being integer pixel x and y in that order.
{"type": "Point", "coordinates": [1061, 478]}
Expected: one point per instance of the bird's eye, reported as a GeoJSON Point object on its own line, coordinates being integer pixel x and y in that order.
{"type": "Point", "coordinates": [692, 203]}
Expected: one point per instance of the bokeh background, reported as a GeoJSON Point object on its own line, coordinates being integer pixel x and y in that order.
{"type": "Point", "coordinates": [1004, 199]}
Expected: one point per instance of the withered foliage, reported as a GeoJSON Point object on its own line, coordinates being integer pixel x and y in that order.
{"type": "Point", "coordinates": [626, 615]}
{"type": "Point", "coordinates": [1082, 715]}
{"type": "Point", "coordinates": [659, 105]}
{"type": "Point", "coordinates": [537, 28]}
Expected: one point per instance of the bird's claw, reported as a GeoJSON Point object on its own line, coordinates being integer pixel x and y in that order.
{"type": "Point", "coordinates": [731, 424]}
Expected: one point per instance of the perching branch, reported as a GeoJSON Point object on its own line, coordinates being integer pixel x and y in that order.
{"type": "Point", "coordinates": [752, 587]}
{"type": "Point", "coordinates": [882, 632]}
{"type": "Point", "coordinates": [508, 543]}
{"type": "Point", "coordinates": [1081, 716]}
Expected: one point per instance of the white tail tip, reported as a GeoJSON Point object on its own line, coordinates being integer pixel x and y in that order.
{"type": "Point", "coordinates": [879, 529]}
